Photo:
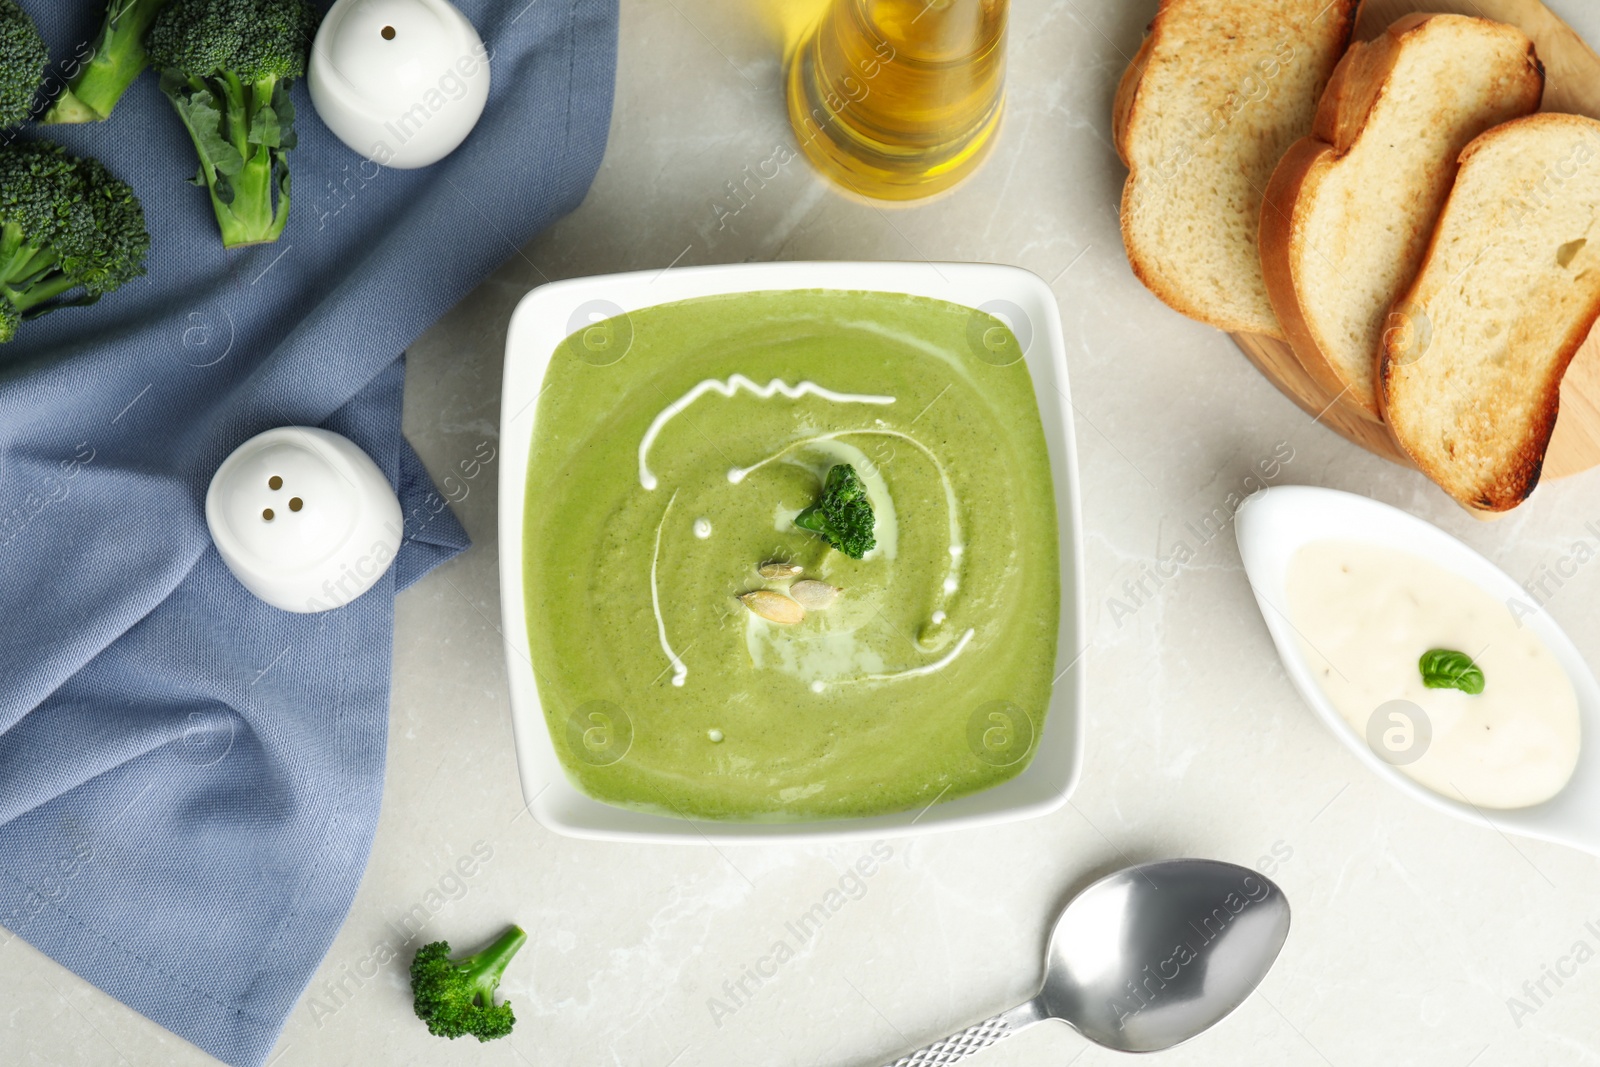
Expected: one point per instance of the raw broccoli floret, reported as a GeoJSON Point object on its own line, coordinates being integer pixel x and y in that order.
{"type": "Point", "coordinates": [227, 66]}
{"type": "Point", "coordinates": [117, 59]}
{"type": "Point", "coordinates": [69, 232]}
{"type": "Point", "coordinates": [23, 57]}
{"type": "Point", "coordinates": [843, 516]}
{"type": "Point", "coordinates": [456, 997]}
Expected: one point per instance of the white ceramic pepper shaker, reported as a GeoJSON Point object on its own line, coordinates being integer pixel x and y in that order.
{"type": "Point", "coordinates": [303, 518]}
{"type": "Point", "coordinates": [402, 82]}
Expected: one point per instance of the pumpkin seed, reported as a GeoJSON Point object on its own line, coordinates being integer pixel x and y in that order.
{"type": "Point", "coordinates": [774, 607]}
{"type": "Point", "coordinates": [813, 595]}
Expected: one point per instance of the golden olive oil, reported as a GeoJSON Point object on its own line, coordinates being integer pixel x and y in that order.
{"type": "Point", "coordinates": [899, 99]}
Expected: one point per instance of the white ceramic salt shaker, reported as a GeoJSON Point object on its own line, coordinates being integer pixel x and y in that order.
{"type": "Point", "coordinates": [303, 518]}
{"type": "Point", "coordinates": [400, 81]}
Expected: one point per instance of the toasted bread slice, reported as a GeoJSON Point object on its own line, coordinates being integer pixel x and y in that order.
{"type": "Point", "coordinates": [1350, 209]}
{"type": "Point", "coordinates": [1217, 94]}
{"type": "Point", "coordinates": [1470, 378]}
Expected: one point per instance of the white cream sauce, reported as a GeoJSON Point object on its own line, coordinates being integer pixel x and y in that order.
{"type": "Point", "coordinates": [887, 525]}
{"type": "Point", "coordinates": [728, 388]}
{"type": "Point", "coordinates": [1366, 615]}
{"type": "Point", "coordinates": [931, 668]}
{"type": "Point", "coordinates": [834, 656]}
{"type": "Point", "coordinates": [680, 670]}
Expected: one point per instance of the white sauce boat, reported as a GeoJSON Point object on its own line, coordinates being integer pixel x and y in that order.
{"type": "Point", "coordinates": [1275, 523]}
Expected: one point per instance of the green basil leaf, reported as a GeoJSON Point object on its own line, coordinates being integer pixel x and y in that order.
{"type": "Point", "coordinates": [1443, 668]}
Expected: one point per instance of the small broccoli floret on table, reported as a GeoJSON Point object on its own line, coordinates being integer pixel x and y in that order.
{"type": "Point", "coordinates": [23, 58]}
{"type": "Point", "coordinates": [69, 232]}
{"type": "Point", "coordinates": [227, 65]}
{"type": "Point", "coordinates": [116, 61]}
{"type": "Point", "coordinates": [456, 997]}
{"type": "Point", "coordinates": [843, 516]}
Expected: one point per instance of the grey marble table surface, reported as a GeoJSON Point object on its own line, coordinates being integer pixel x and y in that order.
{"type": "Point", "coordinates": [1415, 936]}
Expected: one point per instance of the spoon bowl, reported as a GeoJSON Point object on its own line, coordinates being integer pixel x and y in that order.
{"type": "Point", "coordinates": [1146, 958]}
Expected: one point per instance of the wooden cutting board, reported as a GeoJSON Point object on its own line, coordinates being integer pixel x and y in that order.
{"type": "Point", "coordinates": [1573, 86]}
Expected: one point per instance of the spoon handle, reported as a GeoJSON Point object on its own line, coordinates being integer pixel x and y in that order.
{"type": "Point", "coordinates": [974, 1038]}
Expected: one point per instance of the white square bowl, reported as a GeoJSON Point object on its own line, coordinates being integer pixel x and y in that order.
{"type": "Point", "coordinates": [551, 313]}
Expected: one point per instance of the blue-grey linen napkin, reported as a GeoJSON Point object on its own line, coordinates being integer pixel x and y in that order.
{"type": "Point", "coordinates": [190, 779]}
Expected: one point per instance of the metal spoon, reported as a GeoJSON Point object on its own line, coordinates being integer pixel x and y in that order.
{"type": "Point", "coordinates": [1145, 959]}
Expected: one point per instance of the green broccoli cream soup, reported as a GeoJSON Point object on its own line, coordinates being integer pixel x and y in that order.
{"type": "Point", "coordinates": [683, 666]}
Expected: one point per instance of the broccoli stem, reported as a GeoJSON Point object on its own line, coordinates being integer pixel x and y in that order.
{"type": "Point", "coordinates": [236, 113]}
{"type": "Point", "coordinates": [250, 219]}
{"type": "Point", "coordinates": [119, 58]}
{"type": "Point", "coordinates": [34, 295]}
{"type": "Point", "coordinates": [248, 213]}
{"type": "Point", "coordinates": [22, 270]}
{"type": "Point", "coordinates": [70, 109]}
{"type": "Point", "coordinates": [16, 255]}
{"type": "Point", "coordinates": [489, 965]}
{"type": "Point", "coordinates": [26, 268]}
{"type": "Point", "coordinates": [95, 91]}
